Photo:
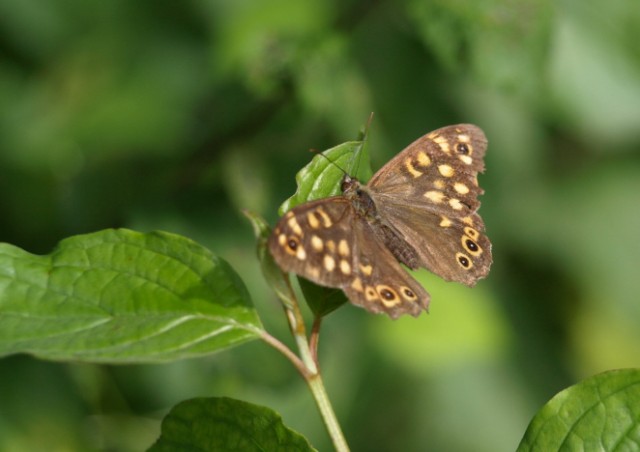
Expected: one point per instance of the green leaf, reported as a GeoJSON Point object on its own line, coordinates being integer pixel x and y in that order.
{"type": "Point", "coordinates": [225, 424]}
{"type": "Point", "coordinates": [600, 413]}
{"type": "Point", "coordinates": [274, 276]}
{"type": "Point", "coordinates": [321, 177]}
{"type": "Point", "coordinates": [122, 296]}
{"type": "Point", "coordinates": [321, 300]}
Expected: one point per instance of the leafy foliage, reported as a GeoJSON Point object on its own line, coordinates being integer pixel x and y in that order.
{"type": "Point", "coordinates": [599, 413]}
{"type": "Point", "coordinates": [226, 424]}
{"type": "Point", "coordinates": [121, 296]}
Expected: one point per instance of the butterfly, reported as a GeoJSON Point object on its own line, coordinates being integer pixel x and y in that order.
{"type": "Point", "coordinates": [420, 210]}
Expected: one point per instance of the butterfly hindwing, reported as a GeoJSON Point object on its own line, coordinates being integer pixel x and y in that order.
{"type": "Point", "coordinates": [380, 284]}
{"type": "Point", "coordinates": [456, 249]}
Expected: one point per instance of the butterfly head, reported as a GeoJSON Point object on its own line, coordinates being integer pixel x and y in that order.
{"type": "Point", "coordinates": [349, 185]}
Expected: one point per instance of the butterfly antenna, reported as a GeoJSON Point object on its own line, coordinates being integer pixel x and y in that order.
{"type": "Point", "coordinates": [330, 160]}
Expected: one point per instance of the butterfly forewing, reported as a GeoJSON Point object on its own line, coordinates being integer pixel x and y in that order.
{"type": "Point", "coordinates": [314, 240]}
{"type": "Point", "coordinates": [438, 170]}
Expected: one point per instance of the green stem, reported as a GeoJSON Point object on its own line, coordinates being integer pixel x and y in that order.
{"type": "Point", "coordinates": [286, 351]}
{"type": "Point", "coordinates": [312, 375]}
{"type": "Point", "coordinates": [326, 410]}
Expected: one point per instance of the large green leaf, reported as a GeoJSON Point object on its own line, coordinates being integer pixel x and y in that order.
{"type": "Point", "coordinates": [224, 424]}
{"type": "Point", "coordinates": [121, 296]}
{"type": "Point", "coordinates": [601, 413]}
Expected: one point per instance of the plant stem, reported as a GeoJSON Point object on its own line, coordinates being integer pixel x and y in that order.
{"type": "Point", "coordinates": [310, 370]}
{"type": "Point", "coordinates": [313, 378]}
{"type": "Point", "coordinates": [326, 410]}
{"type": "Point", "coordinates": [314, 339]}
{"type": "Point", "coordinates": [286, 351]}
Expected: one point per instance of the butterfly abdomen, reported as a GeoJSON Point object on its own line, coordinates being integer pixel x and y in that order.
{"type": "Point", "coordinates": [399, 247]}
{"type": "Point", "coordinates": [365, 207]}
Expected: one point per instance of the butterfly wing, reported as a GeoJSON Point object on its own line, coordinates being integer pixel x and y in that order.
{"type": "Point", "coordinates": [380, 283]}
{"type": "Point", "coordinates": [326, 242]}
{"type": "Point", "coordinates": [311, 239]}
{"type": "Point", "coordinates": [428, 195]}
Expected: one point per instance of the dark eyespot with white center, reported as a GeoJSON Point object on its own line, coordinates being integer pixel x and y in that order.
{"type": "Point", "coordinates": [387, 294]}
{"type": "Point", "coordinates": [464, 261]}
{"type": "Point", "coordinates": [408, 293]}
{"type": "Point", "coordinates": [462, 148]}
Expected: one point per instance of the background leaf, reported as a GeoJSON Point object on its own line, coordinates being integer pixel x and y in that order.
{"type": "Point", "coordinates": [226, 424]}
{"type": "Point", "coordinates": [599, 413]}
{"type": "Point", "coordinates": [121, 296]}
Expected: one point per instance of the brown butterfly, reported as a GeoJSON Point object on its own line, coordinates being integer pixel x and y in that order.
{"type": "Point", "coordinates": [419, 210]}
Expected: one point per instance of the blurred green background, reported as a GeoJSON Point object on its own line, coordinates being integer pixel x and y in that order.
{"type": "Point", "coordinates": [176, 115]}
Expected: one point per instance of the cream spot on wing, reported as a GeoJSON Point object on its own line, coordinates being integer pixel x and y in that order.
{"type": "Point", "coordinates": [435, 196]}
{"type": "Point", "coordinates": [468, 220]}
{"type": "Point", "coordinates": [313, 220]}
{"type": "Point", "coordinates": [464, 138]}
{"type": "Point", "coordinates": [331, 246]}
{"type": "Point", "coordinates": [317, 243]}
{"type": "Point", "coordinates": [467, 159]}
{"type": "Point", "coordinates": [423, 159]}
{"type": "Point", "coordinates": [329, 263]}
{"type": "Point", "coordinates": [439, 184]}
{"type": "Point", "coordinates": [366, 269]}
{"type": "Point", "coordinates": [345, 267]}
{"type": "Point", "coordinates": [461, 188]}
{"type": "Point", "coordinates": [443, 143]}
{"type": "Point", "coordinates": [445, 223]}
{"type": "Point", "coordinates": [412, 170]}
{"type": "Point", "coordinates": [446, 170]}
{"type": "Point", "coordinates": [282, 239]}
{"type": "Point", "coordinates": [356, 285]}
{"type": "Point", "coordinates": [343, 248]}
{"type": "Point", "coordinates": [301, 254]}
{"type": "Point", "coordinates": [295, 227]}
{"type": "Point", "coordinates": [455, 204]}
{"type": "Point", "coordinates": [326, 221]}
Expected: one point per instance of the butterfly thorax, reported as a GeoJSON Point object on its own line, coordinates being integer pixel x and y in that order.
{"type": "Point", "coordinates": [360, 199]}
{"type": "Point", "coordinates": [365, 207]}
